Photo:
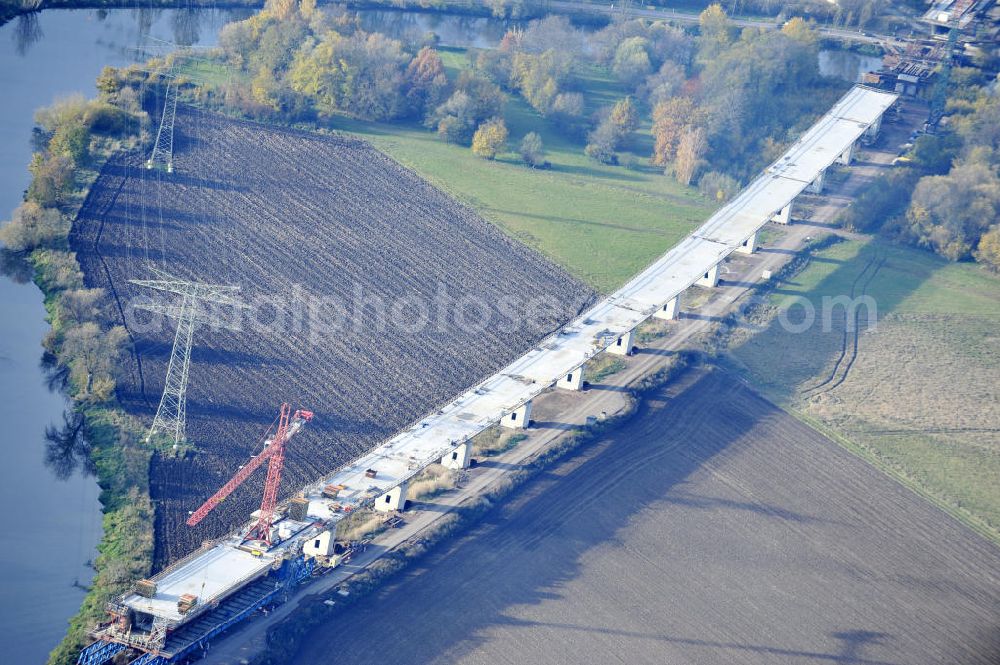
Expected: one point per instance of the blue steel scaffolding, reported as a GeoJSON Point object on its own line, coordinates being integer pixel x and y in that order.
{"type": "Point", "coordinates": [193, 637]}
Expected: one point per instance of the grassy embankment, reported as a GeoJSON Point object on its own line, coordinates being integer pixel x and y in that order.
{"type": "Point", "coordinates": [920, 398]}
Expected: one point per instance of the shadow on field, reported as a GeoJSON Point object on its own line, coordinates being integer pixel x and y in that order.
{"type": "Point", "coordinates": [682, 498]}
{"type": "Point", "coordinates": [655, 352]}
{"type": "Point", "coordinates": [851, 651]}
{"type": "Point", "coordinates": [606, 174]}
{"type": "Point", "coordinates": [525, 552]}
{"type": "Point", "coordinates": [122, 170]}
{"type": "Point", "coordinates": [606, 386]}
{"type": "Point", "coordinates": [203, 354]}
{"type": "Point", "coordinates": [788, 359]}
{"type": "Point", "coordinates": [552, 424]}
{"type": "Point", "coordinates": [568, 220]}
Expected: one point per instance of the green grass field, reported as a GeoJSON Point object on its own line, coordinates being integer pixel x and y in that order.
{"type": "Point", "coordinates": [602, 223]}
{"type": "Point", "coordinates": [920, 398]}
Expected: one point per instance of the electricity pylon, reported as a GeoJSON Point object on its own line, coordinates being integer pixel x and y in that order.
{"type": "Point", "coordinates": [163, 148]}
{"type": "Point", "coordinates": [171, 415]}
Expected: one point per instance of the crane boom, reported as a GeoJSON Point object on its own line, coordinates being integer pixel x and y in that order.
{"type": "Point", "coordinates": [273, 447]}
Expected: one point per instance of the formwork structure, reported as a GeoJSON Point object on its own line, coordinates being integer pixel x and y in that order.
{"type": "Point", "coordinates": [231, 568]}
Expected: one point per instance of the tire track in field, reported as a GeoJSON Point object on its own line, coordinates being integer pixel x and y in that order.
{"type": "Point", "coordinates": [855, 331]}
{"type": "Point", "coordinates": [844, 337]}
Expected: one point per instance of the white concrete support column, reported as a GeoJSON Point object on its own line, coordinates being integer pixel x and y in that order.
{"type": "Point", "coordinates": [710, 278]}
{"type": "Point", "coordinates": [518, 418]}
{"type": "Point", "coordinates": [623, 345]}
{"type": "Point", "coordinates": [816, 187]}
{"type": "Point", "coordinates": [572, 381]}
{"type": "Point", "coordinates": [748, 245]}
{"type": "Point", "coordinates": [458, 458]}
{"type": "Point", "coordinates": [873, 129]}
{"type": "Point", "coordinates": [784, 215]}
{"type": "Point", "coordinates": [671, 311]}
{"type": "Point", "coordinates": [846, 156]}
{"type": "Point", "coordinates": [319, 545]}
{"type": "Point", "coordinates": [392, 500]}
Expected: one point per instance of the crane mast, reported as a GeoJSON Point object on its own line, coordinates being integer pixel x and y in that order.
{"type": "Point", "coordinates": [274, 454]}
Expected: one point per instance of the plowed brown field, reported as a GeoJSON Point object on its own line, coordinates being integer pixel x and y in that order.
{"type": "Point", "coordinates": [711, 528]}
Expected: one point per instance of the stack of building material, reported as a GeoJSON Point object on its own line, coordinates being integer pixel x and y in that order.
{"type": "Point", "coordinates": [145, 588]}
{"type": "Point", "coordinates": [331, 491]}
{"type": "Point", "coordinates": [298, 509]}
{"type": "Point", "coordinates": [186, 602]}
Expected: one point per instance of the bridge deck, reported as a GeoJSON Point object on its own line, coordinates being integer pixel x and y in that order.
{"type": "Point", "coordinates": [225, 567]}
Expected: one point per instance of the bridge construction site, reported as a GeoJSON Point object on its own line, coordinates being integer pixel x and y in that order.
{"type": "Point", "coordinates": [172, 616]}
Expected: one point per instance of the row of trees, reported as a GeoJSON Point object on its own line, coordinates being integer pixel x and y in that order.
{"type": "Point", "coordinates": [957, 213]}
{"type": "Point", "coordinates": [946, 194]}
{"type": "Point", "coordinates": [843, 12]}
{"type": "Point", "coordinates": [721, 101]}
{"type": "Point", "coordinates": [66, 137]}
{"type": "Point", "coordinates": [746, 92]}
{"type": "Point", "coordinates": [295, 62]}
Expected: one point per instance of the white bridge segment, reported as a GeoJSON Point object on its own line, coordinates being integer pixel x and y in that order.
{"type": "Point", "coordinates": [225, 566]}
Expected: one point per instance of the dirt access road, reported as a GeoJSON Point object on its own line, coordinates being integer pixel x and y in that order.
{"type": "Point", "coordinates": [559, 411]}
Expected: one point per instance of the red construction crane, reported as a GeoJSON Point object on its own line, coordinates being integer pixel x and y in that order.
{"type": "Point", "coordinates": [274, 450]}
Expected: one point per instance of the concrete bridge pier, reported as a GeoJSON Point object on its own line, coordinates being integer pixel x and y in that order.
{"type": "Point", "coordinates": [459, 457]}
{"type": "Point", "coordinates": [320, 545]}
{"type": "Point", "coordinates": [710, 278]}
{"type": "Point", "coordinates": [623, 345]}
{"type": "Point", "coordinates": [816, 187]}
{"type": "Point", "coordinates": [783, 216]}
{"type": "Point", "coordinates": [392, 500]}
{"type": "Point", "coordinates": [518, 418]}
{"type": "Point", "coordinates": [572, 381]}
{"type": "Point", "coordinates": [846, 156]}
{"type": "Point", "coordinates": [671, 311]}
{"type": "Point", "coordinates": [873, 129]}
{"type": "Point", "coordinates": [748, 246]}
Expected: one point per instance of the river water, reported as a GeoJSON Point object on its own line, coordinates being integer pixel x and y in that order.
{"type": "Point", "coordinates": [53, 523]}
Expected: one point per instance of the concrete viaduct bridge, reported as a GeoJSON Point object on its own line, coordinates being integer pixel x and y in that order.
{"type": "Point", "coordinates": [379, 479]}
{"type": "Point", "coordinates": [610, 324]}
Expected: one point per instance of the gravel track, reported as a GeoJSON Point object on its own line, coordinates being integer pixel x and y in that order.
{"type": "Point", "coordinates": [711, 528]}
{"type": "Point", "coordinates": [298, 216]}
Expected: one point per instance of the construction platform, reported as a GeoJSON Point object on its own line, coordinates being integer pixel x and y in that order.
{"type": "Point", "coordinates": [214, 573]}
